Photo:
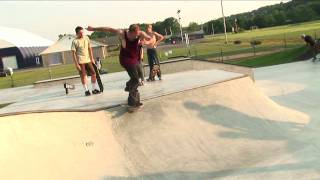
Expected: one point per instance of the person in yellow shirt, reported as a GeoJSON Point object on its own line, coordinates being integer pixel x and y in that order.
{"type": "Point", "coordinates": [83, 59]}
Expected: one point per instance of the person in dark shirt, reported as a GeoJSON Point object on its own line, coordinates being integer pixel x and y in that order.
{"type": "Point", "coordinates": [313, 44]}
{"type": "Point", "coordinates": [129, 57]}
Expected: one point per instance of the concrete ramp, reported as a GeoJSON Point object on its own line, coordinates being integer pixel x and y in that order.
{"type": "Point", "coordinates": [229, 130]}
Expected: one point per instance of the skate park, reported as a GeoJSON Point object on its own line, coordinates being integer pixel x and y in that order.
{"type": "Point", "coordinates": [204, 120]}
{"type": "Point", "coordinates": [234, 92]}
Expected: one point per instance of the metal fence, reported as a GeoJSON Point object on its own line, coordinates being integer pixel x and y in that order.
{"type": "Point", "coordinates": [239, 46]}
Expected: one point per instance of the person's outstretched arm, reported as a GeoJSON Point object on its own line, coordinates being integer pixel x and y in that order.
{"type": "Point", "coordinates": [144, 36]}
{"type": "Point", "coordinates": [104, 29]}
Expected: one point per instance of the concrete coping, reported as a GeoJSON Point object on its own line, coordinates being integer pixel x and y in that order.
{"type": "Point", "coordinates": [167, 67]}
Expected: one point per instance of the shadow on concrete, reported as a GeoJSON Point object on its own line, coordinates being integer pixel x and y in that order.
{"type": "Point", "coordinates": [311, 165]}
{"type": "Point", "coordinates": [244, 126]}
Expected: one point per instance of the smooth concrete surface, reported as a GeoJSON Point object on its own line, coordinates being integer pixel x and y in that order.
{"type": "Point", "coordinates": [297, 86]}
{"type": "Point", "coordinates": [213, 132]}
{"type": "Point", "coordinates": [238, 129]}
{"type": "Point", "coordinates": [54, 98]}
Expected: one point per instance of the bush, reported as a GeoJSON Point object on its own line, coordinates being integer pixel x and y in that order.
{"type": "Point", "coordinates": [255, 42]}
{"type": "Point", "coordinates": [237, 42]}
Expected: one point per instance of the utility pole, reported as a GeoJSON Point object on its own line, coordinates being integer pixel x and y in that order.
{"type": "Point", "coordinates": [179, 18]}
{"type": "Point", "coordinates": [212, 29]}
{"type": "Point", "coordinates": [225, 26]}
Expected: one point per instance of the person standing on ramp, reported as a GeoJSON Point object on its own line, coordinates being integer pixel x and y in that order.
{"type": "Point", "coordinates": [83, 59]}
{"type": "Point", "coordinates": [129, 57]}
{"type": "Point", "coordinates": [314, 44]}
{"type": "Point", "coordinates": [153, 59]}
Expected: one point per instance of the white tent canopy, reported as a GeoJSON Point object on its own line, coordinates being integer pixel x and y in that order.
{"type": "Point", "coordinates": [12, 37]}
{"type": "Point", "coordinates": [64, 44]}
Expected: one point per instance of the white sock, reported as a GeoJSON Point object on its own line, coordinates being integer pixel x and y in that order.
{"type": "Point", "coordinates": [94, 86]}
{"type": "Point", "coordinates": [85, 87]}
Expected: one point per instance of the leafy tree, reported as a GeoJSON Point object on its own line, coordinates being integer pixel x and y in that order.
{"type": "Point", "coordinates": [193, 26]}
{"type": "Point", "coordinates": [96, 35]}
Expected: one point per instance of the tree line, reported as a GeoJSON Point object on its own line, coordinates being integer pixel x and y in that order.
{"type": "Point", "coordinates": [295, 11]}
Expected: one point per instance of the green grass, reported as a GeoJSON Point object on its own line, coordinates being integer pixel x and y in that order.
{"type": "Point", "coordinates": [273, 59]}
{"type": "Point", "coordinates": [271, 38]}
{"type": "Point", "coordinates": [275, 33]}
{"type": "Point", "coordinates": [29, 76]}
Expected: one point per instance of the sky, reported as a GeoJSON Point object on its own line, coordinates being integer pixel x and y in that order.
{"type": "Point", "coordinates": [51, 18]}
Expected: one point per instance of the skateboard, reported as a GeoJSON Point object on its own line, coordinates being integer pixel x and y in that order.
{"type": "Point", "coordinates": [68, 86]}
{"type": "Point", "coordinates": [155, 70]}
{"type": "Point", "coordinates": [97, 75]}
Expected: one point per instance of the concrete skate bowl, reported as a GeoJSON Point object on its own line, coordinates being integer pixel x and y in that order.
{"type": "Point", "coordinates": [227, 130]}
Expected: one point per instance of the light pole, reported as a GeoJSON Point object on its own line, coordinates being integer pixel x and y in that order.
{"type": "Point", "coordinates": [179, 18]}
{"type": "Point", "coordinates": [236, 25]}
{"type": "Point", "coordinates": [212, 28]}
{"type": "Point", "coordinates": [225, 27]}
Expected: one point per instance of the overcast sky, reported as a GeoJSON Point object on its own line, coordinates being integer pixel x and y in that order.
{"type": "Point", "coordinates": [50, 18]}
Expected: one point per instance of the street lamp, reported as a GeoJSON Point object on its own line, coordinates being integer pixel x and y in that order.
{"type": "Point", "coordinates": [179, 18]}
{"type": "Point", "coordinates": [225, 27]}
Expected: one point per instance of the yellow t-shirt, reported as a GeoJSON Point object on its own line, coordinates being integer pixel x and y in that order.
{"type": "Point", "coordinates": [81, 47]}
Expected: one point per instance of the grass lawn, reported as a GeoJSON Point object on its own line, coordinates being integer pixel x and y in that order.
{"type": "Point", "coordinates": [29, 76]}
{"type": "Point", "coordinates": [275, 33]}
{"type": "Point", "coordinates": [271, 38]}
{"type": "Point", "coordinates": [286, 56]}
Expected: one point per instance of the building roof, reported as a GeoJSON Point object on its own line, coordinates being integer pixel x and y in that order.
{"type": "Point", "coordinates": [200, 32]}
{"type": "Point", "coordinates": [64, 44]}
{"type": "Point", "coordinates": [12, 37]}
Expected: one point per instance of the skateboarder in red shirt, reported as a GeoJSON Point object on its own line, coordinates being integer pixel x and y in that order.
{"type": "Point", "coordinates": [129, 57]}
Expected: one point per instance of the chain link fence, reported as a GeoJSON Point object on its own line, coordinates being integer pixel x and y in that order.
{"type": "Point", "coordinates": [239, 46]}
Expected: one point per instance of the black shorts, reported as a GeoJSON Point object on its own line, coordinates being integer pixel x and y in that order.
{"type": "Point", "coordinates": [87, 68]}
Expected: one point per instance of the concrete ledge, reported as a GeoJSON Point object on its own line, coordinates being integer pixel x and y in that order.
{"type": "Point", "coordinates": [167, 67]}
{"type": "Point", "coordinates": [205, 64]}
{"type": "Point", "coordinates": [187, 64]}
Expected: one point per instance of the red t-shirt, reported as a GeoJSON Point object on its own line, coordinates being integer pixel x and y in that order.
{"type": "Point", "coordinates": [130, 55]}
